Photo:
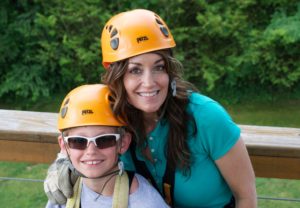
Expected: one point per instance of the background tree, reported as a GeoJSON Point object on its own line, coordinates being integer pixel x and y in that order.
{"type": "Point", "coordinates": [230, 48]}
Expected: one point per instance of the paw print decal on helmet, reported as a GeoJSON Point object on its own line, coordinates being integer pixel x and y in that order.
{"type": "Point", "coordinates": [114, 42]}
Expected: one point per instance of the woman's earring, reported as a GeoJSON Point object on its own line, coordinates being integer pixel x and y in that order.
{"type": "Point", "coordinates": [173, 87]}
{"type": "Point", "coordinates": [121, 167]}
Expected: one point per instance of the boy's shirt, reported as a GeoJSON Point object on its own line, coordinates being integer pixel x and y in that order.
{"type": "Point", "coordinates": [145, 196]}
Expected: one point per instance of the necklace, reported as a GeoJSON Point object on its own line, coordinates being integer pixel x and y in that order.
{"type": "Point", "coordinates": [100, 194]}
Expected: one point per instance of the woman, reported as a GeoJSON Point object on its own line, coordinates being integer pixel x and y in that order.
{"type": "Point", "coordinates": [184, 141]}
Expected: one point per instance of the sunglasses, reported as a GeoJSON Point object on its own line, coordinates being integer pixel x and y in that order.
{"type": "Point", "coordinates": [101, 141]}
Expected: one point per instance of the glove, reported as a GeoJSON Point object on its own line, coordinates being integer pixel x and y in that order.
{"type": "Point", "coordinates": [60, 180]}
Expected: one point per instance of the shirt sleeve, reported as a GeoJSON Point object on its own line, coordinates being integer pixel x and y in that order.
{"type": "Point", "coordinates": [216, 131]}
{"type": "Point", "coordinates": [146, 196]}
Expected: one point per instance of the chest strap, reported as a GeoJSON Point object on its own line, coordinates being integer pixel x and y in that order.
{"type": "Point", "coordinates": [121, 191]}
{"type": "Point", "coordinates": [74, 201]}
{"type": "Point", "coordinates": [120, 196]}
{"type": "Point", "coordinates": [168, 178]}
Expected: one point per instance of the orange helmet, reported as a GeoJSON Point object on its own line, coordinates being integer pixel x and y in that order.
{"type": "Point", "coordinates": [132, 33]}
{"type": "Point", "coordinates": [87, 105]}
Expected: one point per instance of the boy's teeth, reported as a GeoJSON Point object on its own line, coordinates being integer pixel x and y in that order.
{"type": "Point", "coordinates": [92, 162]}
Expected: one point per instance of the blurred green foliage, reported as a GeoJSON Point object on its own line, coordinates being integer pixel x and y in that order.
{"type": "Point", "coordinates": [232, 48]}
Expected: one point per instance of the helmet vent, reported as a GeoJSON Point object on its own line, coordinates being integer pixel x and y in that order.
{"type": "Point", "coordinates": [64, 110]}
{"type": "Point", "coordinates": [110, 98]}
{"type": "Point", "coordinates": [158, 21]}
{"type": "Point", "coordinates": [109, 28]}
{"type": "Point", "coordinates": [113, 33]}
{"type": "Point", "coordinates": [114, 43]}
{"type": "Point", "coordinates": [163, 29]}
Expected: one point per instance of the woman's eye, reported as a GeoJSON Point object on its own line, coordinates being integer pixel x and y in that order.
{"type": "Point", "coordinates": [135, 70]}
{"type": "Point", "coordinates": [160, 68]}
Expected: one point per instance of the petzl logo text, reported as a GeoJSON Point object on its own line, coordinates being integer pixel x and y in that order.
{"type": "Point", "coordinates": [85, 112]}
{"type": "Point", "coordinates": [143, 38]}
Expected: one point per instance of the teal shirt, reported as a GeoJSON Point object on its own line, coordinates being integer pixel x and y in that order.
{"type": "Point", "coordinates": [216, 134]}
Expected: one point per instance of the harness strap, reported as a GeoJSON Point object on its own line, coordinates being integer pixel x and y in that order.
{"type": "Point", "coordinates": [168, 178]}
{"type": "Point", "coordinates": [169, 184]}
{"type": "Point", "coordinates": [121, 191]}
{"type": "Point", "coordinates": [130, 177]}
{"type": "Point", "coordinates": [231, 204]}
{"type": "Point", "coordinates": [141, 167]}
{"type": "Point", "coordinates": [74, 201]}
{"type": "Point", "coordinates": [120, 196]}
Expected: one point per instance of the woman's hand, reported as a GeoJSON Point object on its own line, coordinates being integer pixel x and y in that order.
{"type": "Point", "coordinates": [60, 180]}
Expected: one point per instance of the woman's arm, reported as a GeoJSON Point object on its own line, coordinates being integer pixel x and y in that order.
{"type": "Point", "coordinates": [237, 170]}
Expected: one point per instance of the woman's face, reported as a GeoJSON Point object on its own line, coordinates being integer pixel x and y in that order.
{"type": "Point", "coordinates": [146, 82]}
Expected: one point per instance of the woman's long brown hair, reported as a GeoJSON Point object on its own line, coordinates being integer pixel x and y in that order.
{"type": "Point", "coordinates": [173, 110]}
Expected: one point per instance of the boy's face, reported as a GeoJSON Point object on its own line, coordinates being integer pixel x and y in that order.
{"type": "Point", "coordinates": [92, 161]}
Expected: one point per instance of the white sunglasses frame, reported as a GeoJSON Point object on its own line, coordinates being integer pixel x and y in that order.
{"type": "Point", "coordinates": [90, 139]}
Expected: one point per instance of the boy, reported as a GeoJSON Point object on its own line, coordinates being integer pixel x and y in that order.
{"type": "Point", "coordinates": [92, 138]}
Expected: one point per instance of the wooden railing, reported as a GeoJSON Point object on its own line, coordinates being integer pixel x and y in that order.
{"type": "Point", "coordinates": [32, 137]}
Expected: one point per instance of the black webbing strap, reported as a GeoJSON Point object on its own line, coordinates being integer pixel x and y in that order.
{"type": "Point", "coordinates": [169, 184]}
{"type": "Point", "coordinates": [140, 166]}
{"type": "Point", "coordinates": [231, 204]}
{"type": "Point", "coordinates": [168, 179]}
{"type": "Point", "coordinates": [130, 175]}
